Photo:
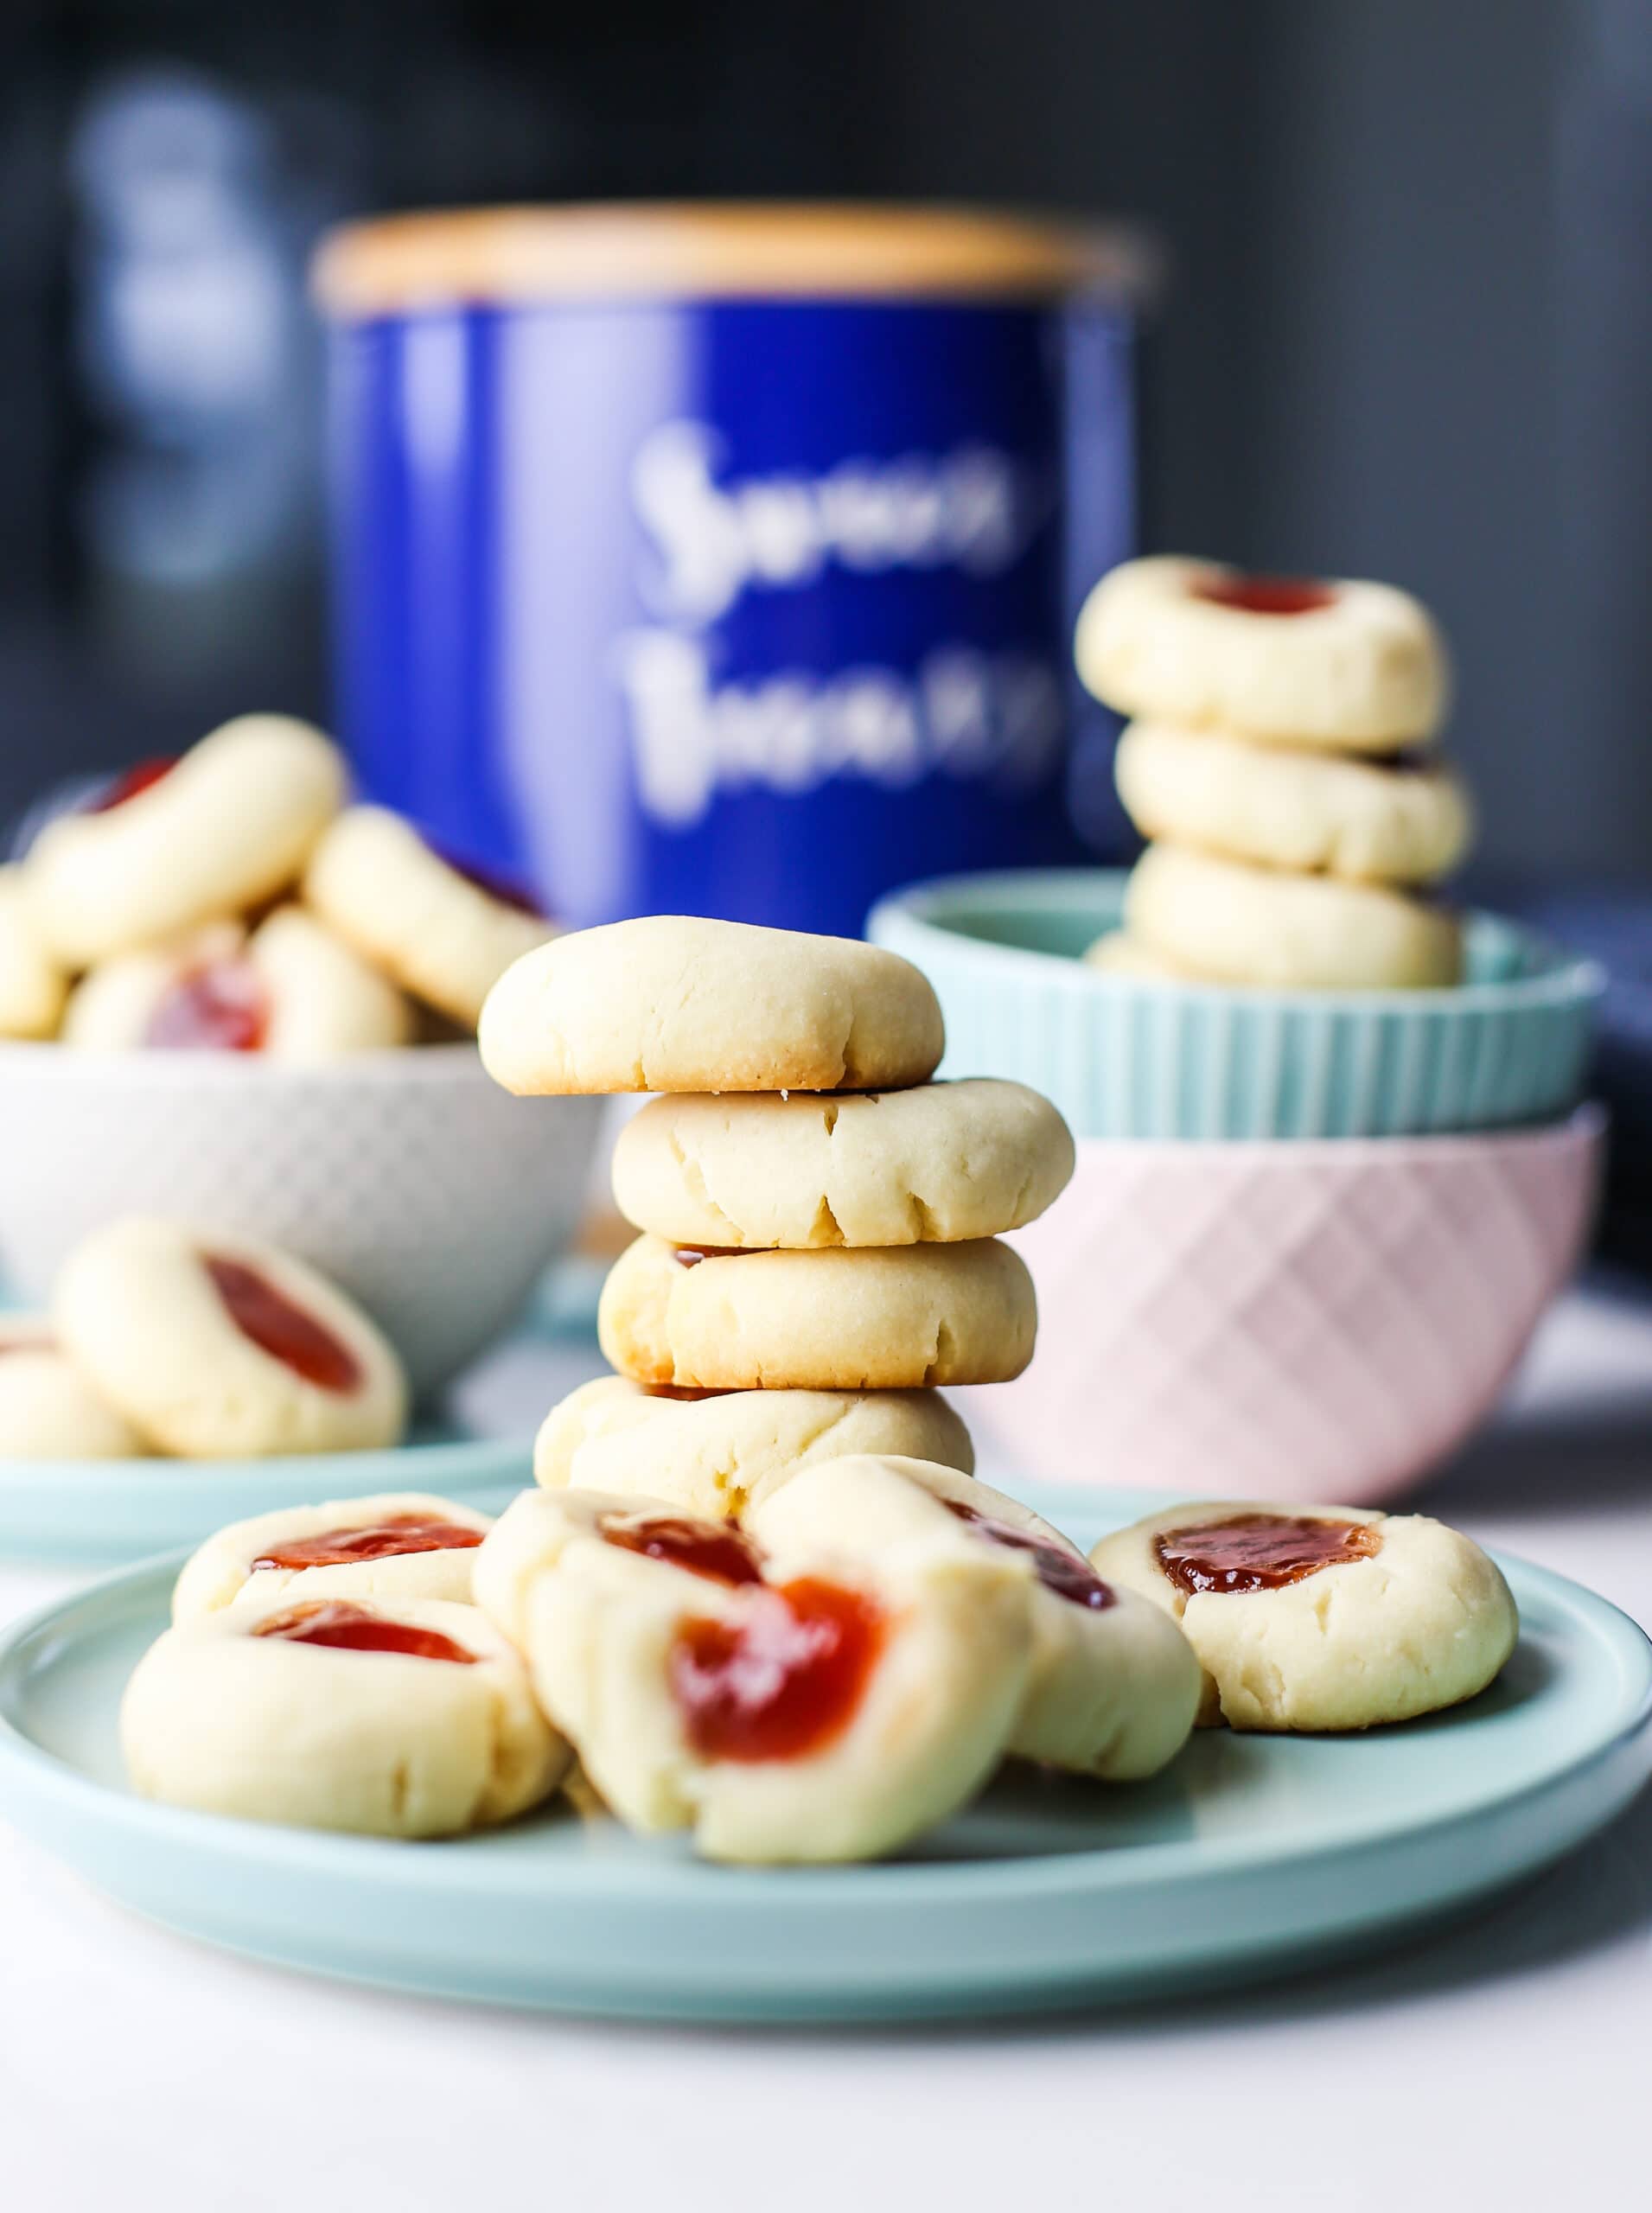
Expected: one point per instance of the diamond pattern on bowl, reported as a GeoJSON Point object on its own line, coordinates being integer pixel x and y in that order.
{"type": "Point", "coordinates": [410, 1179]}
{"type": "Point", "coordinates": [1318, 1321]}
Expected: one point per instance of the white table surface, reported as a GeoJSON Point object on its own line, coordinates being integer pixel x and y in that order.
{"type": "Point", "coordinates": [1504, 2063]}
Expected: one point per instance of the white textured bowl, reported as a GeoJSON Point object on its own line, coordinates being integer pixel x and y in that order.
{"type": "Point", "coordinates": [409, 1177]}
{"type": "Point", "coordinates": [1320, 1320]}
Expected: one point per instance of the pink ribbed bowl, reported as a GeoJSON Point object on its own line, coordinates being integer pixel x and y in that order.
{"type": "Point", "coordinates": [1324, 1320]}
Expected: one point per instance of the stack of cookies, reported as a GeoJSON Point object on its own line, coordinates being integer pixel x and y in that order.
{"type": "Point", "coordinates": [819, 1222]}
{"type": "Point", "coordinates": [1280, 760]}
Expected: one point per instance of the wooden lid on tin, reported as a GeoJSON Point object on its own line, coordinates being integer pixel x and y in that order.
{"type": "Point", "coordinates": [718, 249]}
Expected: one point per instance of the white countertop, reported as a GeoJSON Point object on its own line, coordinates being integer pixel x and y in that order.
{"type": "Point", "coordinates": [1502, 2062]}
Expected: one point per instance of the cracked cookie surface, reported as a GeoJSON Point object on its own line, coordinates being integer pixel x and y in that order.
{"type": "Point", "coordinates": [943, 1163]}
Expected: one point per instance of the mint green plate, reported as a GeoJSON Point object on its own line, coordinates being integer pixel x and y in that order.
{"type": "Point", "coordinates": [1252, 1856]}
{"type": "Point", "coordinates": [89, 1512]}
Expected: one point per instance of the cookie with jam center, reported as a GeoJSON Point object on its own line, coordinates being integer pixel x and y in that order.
{"type": "Point", "coordinates": [1317, 1618]}
{"type": "Point", "coordinates": [784, 1697]}
{"type": "Point", "coordinates": [225, 828]}
{"type": "Point", "coordinates": [410, 1718]}
{"type": "Point", "coordinates": [221, 1347]}
{"type": "Point", "coordinates": [393, 1544]}
{"type": "Point", "coordinates": [1113, 1685]}
{"type": "Point", "coordinates": [1352, 666]}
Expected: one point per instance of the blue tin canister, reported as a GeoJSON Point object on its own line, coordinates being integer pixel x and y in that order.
{"type": "Point", "coordinates": [724, 560]}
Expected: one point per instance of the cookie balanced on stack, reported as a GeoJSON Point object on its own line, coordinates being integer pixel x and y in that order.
{"type": "Point", "coordinates": [820, 1222]}
{"type": "Point", "coordinates": [1279, 760]}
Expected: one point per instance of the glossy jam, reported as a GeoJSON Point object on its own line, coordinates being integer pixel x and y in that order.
{"type": "Point", "coordinates": [1266, 595]}
{"type": "Point", "coordinates": [139, 778]}
{"type": "Point", "coordinates": [355, 1629]}
{"type": "Point", "coordinates": [386, 1540]}
{"type": "Point", "coordinates": [782, 1683]}
{"type": "Point", "coordinates": [703, 1547]}
{"type": "Point", "coordinates": [689, 1393]}
{"type": "Point", "coordinates": [1069, 1574]}
{"type": "Point", "coordinates": [279, 1327]}
{"type": "Point", "coordinates": [689, 1256]}
{"type": "Point", "coordinates": [220, 1007]}
{"type": "Point", "coordinates": [1260, 1551]}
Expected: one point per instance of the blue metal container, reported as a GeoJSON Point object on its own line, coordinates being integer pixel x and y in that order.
{"type": "Point", "coordinates": [724, 561]}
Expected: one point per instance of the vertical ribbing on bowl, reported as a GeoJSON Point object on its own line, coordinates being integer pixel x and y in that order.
{"type": "Point", "coordinates": [1130, 1058]}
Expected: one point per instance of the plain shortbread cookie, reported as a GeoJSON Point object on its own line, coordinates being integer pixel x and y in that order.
{"type": "Point", "coordinates": [942, 1163]}
{"type": "Point", "coordinates": [1236, 924]}
{"type": "Point", "coordinates": [33, 984]}
{"type": "Point", "coordinates": [677, 1003]}
{"type": "Point", "coordinates": [712, 1455]}
{"type": "Point", "coordinates": [1293, 808]}
{"type": "Point", "coordinates": [49, 1410]}
{"type": "Point", "coordinates": [439, 935]}
{"type": "Point", "coordinates": [881, 1318]}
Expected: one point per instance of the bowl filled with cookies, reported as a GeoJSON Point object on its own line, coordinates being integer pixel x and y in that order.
{"type": "Point", "coordinates": [1333, 1157]}
{"type": "Point", "coordinates": [229, 995]}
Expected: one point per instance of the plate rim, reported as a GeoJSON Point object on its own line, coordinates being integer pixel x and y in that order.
{"type": "Point", "coordinates": [19, 1473]}
{"type": "Point", "coordinates": [1085, 1871]}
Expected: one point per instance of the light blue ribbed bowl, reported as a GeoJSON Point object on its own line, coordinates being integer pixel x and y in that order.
{"type": "Point", "coordinates": [1128, 1057]}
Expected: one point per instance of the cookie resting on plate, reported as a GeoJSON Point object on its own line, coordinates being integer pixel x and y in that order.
{"type": "Point", "coordinates": [1316, 1618]}
{"type": "Point", "coordinates": [794, 1702]}
{"type": "Point", "coordinates": [411, 1720]}
{"type": "Point", "coordinates": [220, 1346]}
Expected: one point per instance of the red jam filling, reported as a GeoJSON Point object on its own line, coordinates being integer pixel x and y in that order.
{"type": "Point", "coordinates": [1266, 595]}
{"type": "Point", "coordinates": [703, 1547]}
{"type": "Point", "coordinates": [689, 1392]}
{"type": "Point", "coordinates": [283, 1329]}
{"type": "Point", "coordinates": [138, 778]}
{"type": "Point", "coordinates": [220, 1007]}
{"type": "Point", "coordinates": [354, 1628]}
{"type": "Point", "coordinates": [386, 1540]}
{"type": "Point", "coordinates": [1069, 1575]}
{"type": "Point", "coordinates": [1260, 1551]}
{"type": "Point", "coordinates": [784, 1682]}
{"type": "Point", "coordinates": [689, 1256]}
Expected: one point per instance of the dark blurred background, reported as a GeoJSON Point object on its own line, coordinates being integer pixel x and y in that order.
{"type": "Point", "coordinates": [1409, 332]}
